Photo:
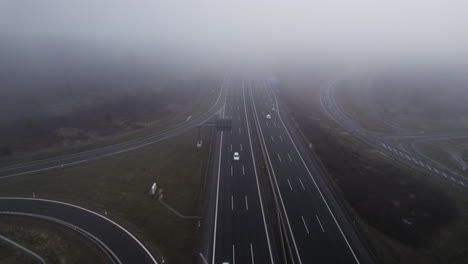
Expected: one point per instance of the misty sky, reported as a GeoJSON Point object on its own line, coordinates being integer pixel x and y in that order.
{"type": "Point", "coordinates": [244, 29]}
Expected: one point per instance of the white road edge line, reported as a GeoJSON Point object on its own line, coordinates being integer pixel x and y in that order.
{"type": "Point", "coordinates": [251, 253]}
{"type": "Point", "coordinates": [217, 195]}
{"type": "Point", "coordinates": [233, 254]}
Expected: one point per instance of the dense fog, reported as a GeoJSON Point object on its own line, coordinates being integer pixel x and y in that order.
{"type": "Point", "coordinates": [205, 32]}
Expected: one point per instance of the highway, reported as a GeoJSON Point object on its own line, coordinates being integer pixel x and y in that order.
{"type": "Point", "coordinates": [113, 239]}
{"type": "Point", "coordinates": [393, 145]}
{"type": "Point", "coordinates": [241, 230]}
{"type": "Point", "coordinates": [81, 157]}
{"type": "Point", "coordinates": [318, 230]}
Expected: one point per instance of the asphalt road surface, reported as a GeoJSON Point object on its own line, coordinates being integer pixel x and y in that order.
{"type": "Point", "coordinates": [241, 232]}
{"type": "Point", "coordinates": [77, 158]}
{"type": "Point", "coordinates": [319, 231]}
{"type": "Point", "coordinates": [117, 242]}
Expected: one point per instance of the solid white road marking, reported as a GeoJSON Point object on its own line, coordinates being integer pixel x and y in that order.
{"type": "Point", "coordinates": [243, 171]}
{"type": "Point", "coordinates": [290, 187]}
{"type": "Point", "coordinates": [217, 198]}
{"type": "Point", "coordinates": [246, 203]}
{"type": "Point", "coordinates": [232, 203]}
{"type": "Point", "coordinates": [289, 157]}
{"type": "Point", "coordinates": [233, 254]}
{"type": "Point", "coordinates": [279, 157]}
{"type": "Point", "coordinates": [303, 187]}
{"type": "Point", "coordinates": [303, 221]}
{"type": "Point", "coordinates": [251, 253]}
{"type": "Point", "coordinates": [323, 230]}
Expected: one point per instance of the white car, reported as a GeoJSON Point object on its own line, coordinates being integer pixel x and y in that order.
{"type": "Point", "coordinates": [236, 156]}
{"type": "Point", "coordinates": [268, 117]}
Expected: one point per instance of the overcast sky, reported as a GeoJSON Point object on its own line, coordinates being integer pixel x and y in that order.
{"type": "Point", "coordinates": [245, 29]}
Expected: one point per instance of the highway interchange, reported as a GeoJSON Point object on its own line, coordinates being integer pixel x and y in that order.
{"type": "Point", "coordinates": [239, 227]}
{"type": "Point", "coordinates": [116, 241]}
{"type": "Point", "coordinates": [399, 146]}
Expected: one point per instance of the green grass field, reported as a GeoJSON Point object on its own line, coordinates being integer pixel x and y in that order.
{"type": "Point", "coordinates": [120, 185]}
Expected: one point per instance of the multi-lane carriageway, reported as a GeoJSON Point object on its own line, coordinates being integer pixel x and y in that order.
{"type": "Point", "coordinates": [315, 233]}
{"type": "Point", "coordinates": [242, 232]}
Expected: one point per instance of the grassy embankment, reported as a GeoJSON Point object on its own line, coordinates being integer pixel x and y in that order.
{"type": "Point", "coordinates": [120, 185]}
{"type": "Point", "coordinates": [353, 99]}
{"type": "Point", "coordinates": [54, 243]}
{"type": "Point", "coordinates": [170, 117]}
{"type": "Point", "coordinates": [403, 215]}
{"type": "Point", "coordinates": [438, 154]}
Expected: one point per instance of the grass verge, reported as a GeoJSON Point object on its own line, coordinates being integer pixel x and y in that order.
{"type": "Point", "coordinates": [54, 243]}
{"type": "Point", "coordinates": [171, 119]}
{"type": "Point", "coordinates": [120, 185]}
{"type": "Point", "coordinates": [438, 154]}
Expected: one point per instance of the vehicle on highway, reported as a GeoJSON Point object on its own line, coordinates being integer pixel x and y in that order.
{"type": "Point", "coordinates": [268, 116]}
{"type": "Point", "coordinates": [236, 156]}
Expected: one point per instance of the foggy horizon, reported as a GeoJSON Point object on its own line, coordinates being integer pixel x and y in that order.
{"type": "Point", "coordinates": [207, 33]}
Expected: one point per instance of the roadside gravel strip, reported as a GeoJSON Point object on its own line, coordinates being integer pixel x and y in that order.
{"type": "Point", "coordinates": [117, 242]}
{"type": "Point", "coordinates": [77, 158]}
